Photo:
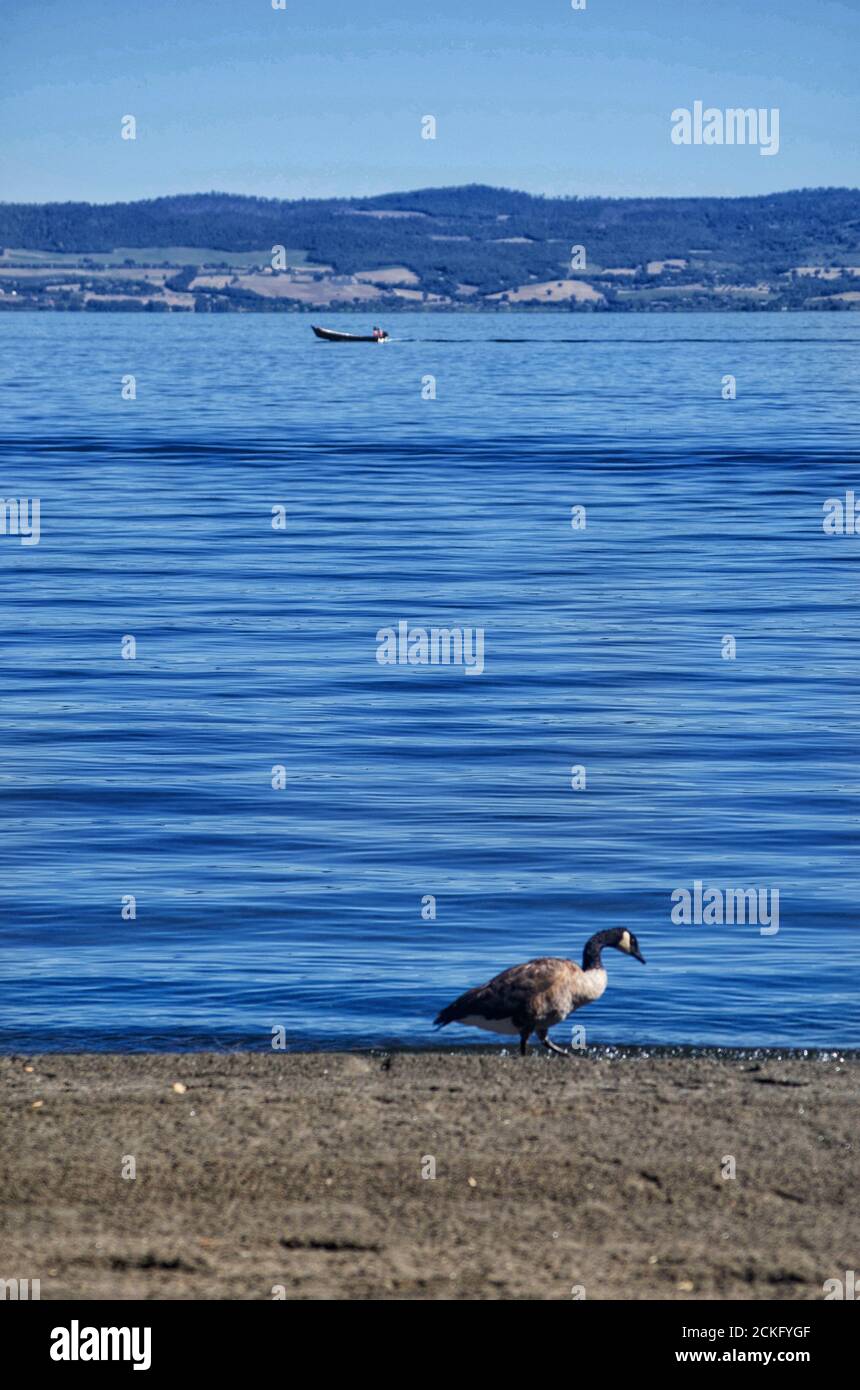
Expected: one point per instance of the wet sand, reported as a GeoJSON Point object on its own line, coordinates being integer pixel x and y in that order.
{"type": "Point", "coordinates": [304, 1173]}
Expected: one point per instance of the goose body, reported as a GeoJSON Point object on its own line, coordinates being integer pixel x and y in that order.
{"type": "Point", "coordinates": [533, 997]}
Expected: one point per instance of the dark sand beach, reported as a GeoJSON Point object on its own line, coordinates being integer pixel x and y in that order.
{"type": "Point", "coordinates": [305, 1171]}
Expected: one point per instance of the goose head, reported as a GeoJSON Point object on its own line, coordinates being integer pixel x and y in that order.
{"type": "Point", "coordinates": [625, 941]}
{"type": "Point", "coordinates": [619, 937]}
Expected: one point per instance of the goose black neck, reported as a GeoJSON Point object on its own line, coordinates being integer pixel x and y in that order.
{"type": "Point", "coordinates": [593, 947]}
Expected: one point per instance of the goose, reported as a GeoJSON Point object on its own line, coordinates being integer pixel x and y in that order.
{"type": "Point", "coordinates": [532, 997]}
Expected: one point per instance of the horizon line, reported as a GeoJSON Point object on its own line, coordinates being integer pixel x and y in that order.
{"type": "Point", "coordinates": [441, 188]}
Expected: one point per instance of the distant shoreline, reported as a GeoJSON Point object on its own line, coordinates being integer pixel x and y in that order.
{"type": "Point", "coordinates": [517, 311]}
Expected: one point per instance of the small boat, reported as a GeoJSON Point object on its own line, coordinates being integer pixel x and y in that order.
{"type": "Point", "coordinates": [330, 336]}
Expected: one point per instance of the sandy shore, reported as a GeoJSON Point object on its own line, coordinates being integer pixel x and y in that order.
{"type": "Point", "coordinates": [305, 1171]}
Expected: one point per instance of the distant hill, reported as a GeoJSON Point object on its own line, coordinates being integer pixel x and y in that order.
{"type": "Point", "coordinates": [464, 247]}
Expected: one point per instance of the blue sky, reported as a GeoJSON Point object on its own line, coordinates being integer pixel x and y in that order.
{"type": "Point", "coordinates": [326, 97]}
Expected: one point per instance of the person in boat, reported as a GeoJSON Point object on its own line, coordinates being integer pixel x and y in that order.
{"type": "Point", "coordinates": [379, 333]}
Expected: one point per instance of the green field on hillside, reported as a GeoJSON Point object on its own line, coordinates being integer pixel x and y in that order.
{"type": "Point", "coordinates": [152, 255]}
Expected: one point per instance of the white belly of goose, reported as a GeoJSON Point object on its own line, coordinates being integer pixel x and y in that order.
{"type": "Point", "coordinates": [491, 1025]}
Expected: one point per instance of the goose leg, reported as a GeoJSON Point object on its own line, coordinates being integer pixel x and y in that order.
{"type": "Point", "coordinates": [524, 1037]}
{"type": "Point", "coordinates": [552, 1047]}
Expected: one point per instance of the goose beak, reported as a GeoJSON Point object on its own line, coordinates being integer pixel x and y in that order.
{"type": "Point", "coordinates": [637, 955]}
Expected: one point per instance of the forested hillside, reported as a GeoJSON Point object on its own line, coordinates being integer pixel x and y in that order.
{"type": "Point", "coordinates": [464, 246]}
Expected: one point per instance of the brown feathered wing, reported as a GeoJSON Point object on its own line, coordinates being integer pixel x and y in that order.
{"type": "Point", "coordinates": [510, 994]}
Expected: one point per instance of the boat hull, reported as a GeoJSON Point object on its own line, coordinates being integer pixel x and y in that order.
{"type": "Point", "coordinates": [330, 336]}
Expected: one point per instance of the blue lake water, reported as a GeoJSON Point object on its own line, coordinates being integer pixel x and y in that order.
{"type": "Point", "coordinates": [255, 647]}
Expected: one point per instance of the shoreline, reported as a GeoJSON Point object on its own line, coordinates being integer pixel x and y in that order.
{"type": "Point", "coordinates": [310, 1172]}
{"type": "Point", "coordinates": [593, 1052]}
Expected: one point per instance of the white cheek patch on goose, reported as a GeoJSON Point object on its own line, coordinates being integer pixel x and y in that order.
{"type": "Point", "coordinates": [491, 1025]}
{"type": "Point", "coordinates": [625, 942]}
